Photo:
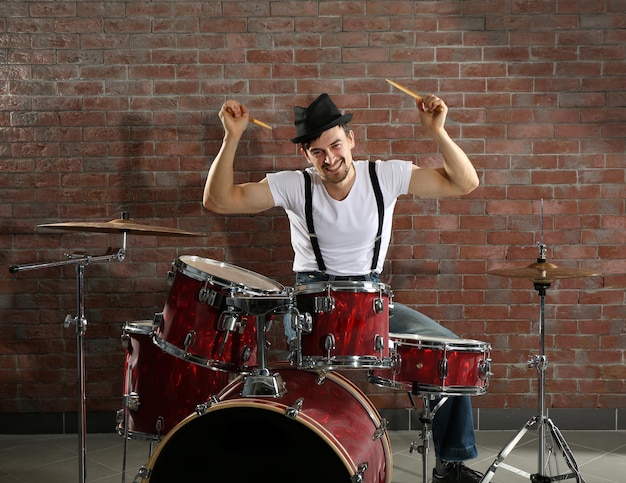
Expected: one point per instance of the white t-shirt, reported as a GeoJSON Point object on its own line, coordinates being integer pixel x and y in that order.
{"type": "Point", "coordinates": [346, 229]}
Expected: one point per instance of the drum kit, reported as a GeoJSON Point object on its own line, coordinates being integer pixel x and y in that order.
{"type": "Point", "coordinates": [197, 381]}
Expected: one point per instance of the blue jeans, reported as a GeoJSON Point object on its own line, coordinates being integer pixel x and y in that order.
{"type": "Point", "coordinates": [453, 424]}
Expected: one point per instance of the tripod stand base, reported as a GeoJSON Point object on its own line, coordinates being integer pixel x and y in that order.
{"type": "Point", "coordinates": [541, 422]}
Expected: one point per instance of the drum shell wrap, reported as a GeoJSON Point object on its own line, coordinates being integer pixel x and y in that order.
{"type": "Point", "coordinates": [168, 389]}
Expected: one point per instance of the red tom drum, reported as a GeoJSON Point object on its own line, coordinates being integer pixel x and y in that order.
{"type": "Point", "coordinates": [159, 390]}
{"type": "Point", "coordinates": [437, 366]}
{"type": "Point", "coordinates": [197, 323]}
{"type": "Point", "coordinates": [350, 325]}
{"type": "Point", "coordinates": [322, 429]}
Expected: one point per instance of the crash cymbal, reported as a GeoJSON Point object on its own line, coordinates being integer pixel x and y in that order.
{"type": "Point", "coordinates": [119, 226]}
{"type": "Point", "coordinates": [542, 272]}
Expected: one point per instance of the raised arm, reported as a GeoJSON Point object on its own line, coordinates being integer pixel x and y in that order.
{"type": "Point", "coordinates": [221, 194]}
{"type": "Point", "coordinates": [457, 176]}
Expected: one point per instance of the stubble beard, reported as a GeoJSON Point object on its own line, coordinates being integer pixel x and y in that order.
{"type": "Point", "coordinates": [337, 177]}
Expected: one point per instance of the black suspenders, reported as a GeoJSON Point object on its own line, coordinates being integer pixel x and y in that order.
{"type": "Point", "coordinates": [308, 210]}
{"type": "Point", "coordinates": [381, 213]}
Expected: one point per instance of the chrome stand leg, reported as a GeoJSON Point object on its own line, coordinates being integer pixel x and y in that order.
{"type": "Point", "coordinates": [426, 418]}
{"type": "Point", "coordinates": [81, 325]}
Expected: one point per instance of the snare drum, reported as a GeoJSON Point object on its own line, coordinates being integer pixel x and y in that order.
{"type": "Point", "coordinates": [350, 325]}
{"type": "Point", "coordinates": [199, 325]}
{"type": "Point", "coordinates": [437, 366]}
{"type": "Point", "coordinates": [324, 429]}
{"type": "Point", "coordinates": [159, 390]}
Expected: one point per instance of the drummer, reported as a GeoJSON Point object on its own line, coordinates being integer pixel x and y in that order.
{"type": "Point", "coordinates": [345, 223]}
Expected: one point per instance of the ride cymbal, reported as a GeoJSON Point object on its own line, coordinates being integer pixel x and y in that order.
{"type": "Point", "coordinates": [542, 272]}
{"type": "Point", "coordinates": [119, 226]}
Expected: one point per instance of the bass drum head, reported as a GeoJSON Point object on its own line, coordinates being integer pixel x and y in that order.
{"type": "Point", "coordinates": [243, 444]}
{"type": "Point", "coordinates": [321, 429]}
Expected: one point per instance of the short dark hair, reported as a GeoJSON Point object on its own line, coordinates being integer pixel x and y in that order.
{"type": "Point", "coordinates": [307, 144]}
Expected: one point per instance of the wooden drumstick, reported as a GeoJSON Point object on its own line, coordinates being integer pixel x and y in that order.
{"type": "Point", "coordinates": [259, 123]}
{"type": "Point", "coordinates": [406, 91]}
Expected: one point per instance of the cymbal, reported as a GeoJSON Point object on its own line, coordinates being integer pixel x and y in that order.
{"type": "Point", "coordinates": [542, 272]}
{"type": "Point", "coordinates": [119, 226]}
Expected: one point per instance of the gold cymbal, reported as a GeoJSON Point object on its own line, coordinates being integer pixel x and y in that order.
{"type": "Point", "coordinates": [119, 226]}
{"type": "Point", "coordinates": [542, 272]}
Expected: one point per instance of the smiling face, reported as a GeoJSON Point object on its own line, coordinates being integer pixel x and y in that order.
{"type": "Point", "coordinates": [331, 154]}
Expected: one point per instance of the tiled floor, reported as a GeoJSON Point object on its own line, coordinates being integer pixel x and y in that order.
{"type": "Point", "coordinates": [601, 457]}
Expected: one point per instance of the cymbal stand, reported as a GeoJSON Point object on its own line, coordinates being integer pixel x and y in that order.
{"type": "Point", "coordinates": [80, 321]}
{"type": "Point", "coordinates": [427, 415]}
{"type": "Point", "coordinates": [542, 421]}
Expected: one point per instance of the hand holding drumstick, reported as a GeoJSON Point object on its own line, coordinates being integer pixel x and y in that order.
{"type": "Point", "coordinates": [233, 112]}
{"type": "Point", "coordinates": [430, 104]}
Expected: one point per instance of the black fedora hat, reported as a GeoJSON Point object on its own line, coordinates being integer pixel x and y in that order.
{"type": "Point", "coordinates": [312, 121]}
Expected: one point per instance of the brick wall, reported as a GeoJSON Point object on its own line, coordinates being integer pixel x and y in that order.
{"type": "Point", "coordinates": [112, 106]}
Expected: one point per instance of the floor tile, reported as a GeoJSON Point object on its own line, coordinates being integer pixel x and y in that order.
{"type": "Point", "coordinates": [600, 456]}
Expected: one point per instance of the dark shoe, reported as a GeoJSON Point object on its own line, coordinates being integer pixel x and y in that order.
{"type": "Point", "coordinates": [457, 473]}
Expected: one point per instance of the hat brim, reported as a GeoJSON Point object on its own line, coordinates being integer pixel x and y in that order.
{"type": "Point", "coordinates": [317, 132]}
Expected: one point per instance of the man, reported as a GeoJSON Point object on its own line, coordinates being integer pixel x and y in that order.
{"type": "Point", "coordinates": [345, 219]}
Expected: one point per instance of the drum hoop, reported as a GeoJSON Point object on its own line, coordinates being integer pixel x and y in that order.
{"type": "Point", "coordinates": [415, 340]}
{"type": "Point", "coordinates": [184, 264]}
{"type": "Point", "coordinates": [343, 286]}
{"type": "Point", "coordinates": [273, 406]}
{"type": "Point", "coordinates": [182, 354]}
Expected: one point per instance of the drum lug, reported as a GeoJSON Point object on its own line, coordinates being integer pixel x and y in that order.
{"type": "Point", "coordinates": [169, 278]}
{"type": "Point", "coordinates": [396, 361]}
{"type": "Point", "coordinates": [443, 368]}
{"type": "Point", "coordinates": [131, 401]}
{"type": "Point", "coordinates": [380, 431]}
{"type": "Point", "coordinates": [125, 337]}
{"type": "Point", "coordinates": [190, 340]}
{"type": "Point", "coordinates": [245, 354]}
{"type": "Point", "coordinates": [379, 344]}
{"type": "Point", "coordinates": [321, 377]}
{"type": "Point", "coordinates": [158, 319]}
{"type": "Point", "coordinates": [379, 305]}
{"type": "Point", "coordinates": [292, 411]}
{"type": "Point", "coordinates": [202, 409]}
{"type": "Point", "coordinates": [144, 473]}
{"type": "Point", "coordinates": [358, 478]}
{"type": "Point", "coordinates": [484, 369]}
{"type": "Point", "coordinates": [159, 426]}
{"type": "Point", "coordinates": [329, 344]}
